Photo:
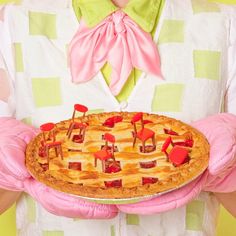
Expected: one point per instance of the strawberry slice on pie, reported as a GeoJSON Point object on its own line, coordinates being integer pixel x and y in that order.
{"type": "Point", "coordinates": [170, 132]}
{"type": "Point", "coordinates": [111, 121]}
{"type": "Point", "coordinates": [149, 180]}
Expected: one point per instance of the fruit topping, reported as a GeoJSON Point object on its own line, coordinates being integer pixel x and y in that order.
{"type": "Point", "coordinates": [78, 138]}
{"type": "Point", "coordinates": [170, 132]}
{"type": "Point", "coordinates": [45, 167]}
{"type": "Point", "coordinates": [111, 121]}
{"type": "Point", "coordinates": [112, 167]}
{"type": "Point", "coordinates": [186, 143]}
{"type": "Point", "coordinates": [148, 164]}
{"type": "Point", "coordinates": [74, 165]}
{"type": "Point", "coordinates": [149, 180]}
{"type": "Point", "coordinates": [114, 183]}
{"type": "Point", "coordinates": [42, 151]}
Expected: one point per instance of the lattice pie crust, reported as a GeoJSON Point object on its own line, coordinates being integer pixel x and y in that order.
{"type": "Point", "coordinates": [131, 172]}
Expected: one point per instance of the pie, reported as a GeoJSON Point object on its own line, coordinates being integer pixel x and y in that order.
{"type": "Point", "coordinates": [117, 155]}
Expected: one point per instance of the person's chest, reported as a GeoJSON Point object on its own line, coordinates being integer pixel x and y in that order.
{"type": "Point", "coordinates": [193, 63]}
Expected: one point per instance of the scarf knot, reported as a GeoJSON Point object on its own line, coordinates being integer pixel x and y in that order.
{"type": "Point", "coordinates": [118, 19]}
{"type": "Point", "coordinates": [117, 40]}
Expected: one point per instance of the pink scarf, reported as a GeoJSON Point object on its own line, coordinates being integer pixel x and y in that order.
{"type": "Point", "coordinates": [117, 40]}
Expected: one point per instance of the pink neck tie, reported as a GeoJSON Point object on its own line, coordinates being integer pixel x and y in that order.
{"type": "Point", "coordinates": [117, 40]}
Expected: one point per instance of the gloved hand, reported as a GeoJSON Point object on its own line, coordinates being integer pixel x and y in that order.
{"type": "Point", "coordinates": [14, 176]}
{"type": "Point", "coordinates": [220, 130]}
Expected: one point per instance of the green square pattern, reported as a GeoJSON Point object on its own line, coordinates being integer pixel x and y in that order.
{"type": "Point", "coordinates": [129, 84]}
{"type": "Point", "coordinates": [27, 120]}
{"type": "Point", "coordinates": [43, 24]}
{"type": "Point", "coordinates": [53, 233]}
{"type": "Point", "coordinates": [46, 92]}
{"type": "Point", "coordinates": [95, 111]}
{"type": "Point", "coordinates": [207, 64]}
{"type": "Point", "coordinates": [113, 232]}
{"type": "Point", "coordinates": [10, 1]}
{"type": "Point", "coordinates": [172, 31]}
{"type": "Point", "coordinates": [195, 215]}
{"type": "Point", "coordinates": [132, 219]}
{"type": "Point", "coordinates": [31, 209]}
{"type": "Point", "coordinates": [168, 98]}
{"type": "Point", "coordinates": [200, 6]}
{"type": "Point", "coordinates": [19, 64]}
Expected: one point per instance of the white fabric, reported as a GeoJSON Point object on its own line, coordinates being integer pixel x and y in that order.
{"type": "Point", "coordinates": [47, 58]}
{"type": "Point", "coordinates": [4, 109]}
{"type": "Point", "coordinates": [7, 106]}
{"type": "Point", "coordinates": [230, 96]}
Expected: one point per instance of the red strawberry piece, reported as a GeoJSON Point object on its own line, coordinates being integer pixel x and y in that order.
{"type": "Point", "coordinates": [42, 151]}
{"type": "Point", "coordinates": [109, 123]}
{"type": "Point", "coordinates": [149, 180]}
{"type": "Point", "coordinates": [77, 138]}
{"type": "Point", "coordinates": [171, 132]}
{"type": "Point", "coordinates": [117, 119]}
{"type": "Point", "coordinates": [45, 167]}
{"type": "Point", "coordinates": [114, 183]}
{"type": "Point", "coordinates": [74, 165]}
{"type": "Point", "coordinates": [180, 144]}
{"type": "Point", "coordinates": [147, 165]}
{"type": "Point", "coordinates": [187, 143]}
{"type": "Point", "coordinates": [113, 169]}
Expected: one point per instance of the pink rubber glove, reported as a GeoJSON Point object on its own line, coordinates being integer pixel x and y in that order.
{"type": "Point", "coordinates": [65, 205]}
{"type": "Point", "coordinates": [14, 176]}
{"type": "Point", "coordinates": [14, 137]}
{"type": "Point", "coordinates": [220, 130]}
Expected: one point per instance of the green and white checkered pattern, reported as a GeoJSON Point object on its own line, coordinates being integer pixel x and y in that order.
{"type": "Point", "coordinates": [193, 67]}
{"type": "Point", "coordinates": [194, 219]}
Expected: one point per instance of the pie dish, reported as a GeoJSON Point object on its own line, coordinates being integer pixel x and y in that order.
{"type": "Point", "coordinates": [117, 155]}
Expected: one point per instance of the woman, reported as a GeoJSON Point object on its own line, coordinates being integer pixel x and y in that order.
{"type": "Point", "coordinates": [195, 71]}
